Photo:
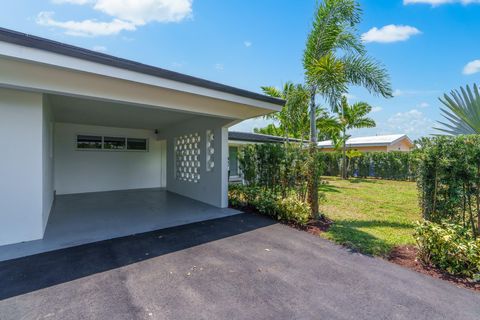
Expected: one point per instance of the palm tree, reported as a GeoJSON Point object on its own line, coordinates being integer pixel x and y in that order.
{"type": "Point", "coordinates": [292, 117]}
{"type": "Point", "coordinates": [334, 58]}
{"type": "Point", "coordinates": [462, 111]}
{"type": "Point", "coordinates": [270, 129]}
{"type": "Point", "coordinates": [293, 121]}
{"type": "Point", "coordinates": [352, 117]}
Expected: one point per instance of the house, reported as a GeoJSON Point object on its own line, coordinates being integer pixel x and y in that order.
{"type": "Point", "coordinates": [237, 140]}
{"type": "Point", "coordinates": [385, 143]}
{"type": "Point", "coordinates": [78, 128]}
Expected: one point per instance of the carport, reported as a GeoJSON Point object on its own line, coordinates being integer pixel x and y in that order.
{"type": "Point", "coordinates": [88, 217]}
{"type": "Point", "coordinates": [108, 146]}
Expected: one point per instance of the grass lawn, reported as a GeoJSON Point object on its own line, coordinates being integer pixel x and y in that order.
{"type": "Point", "coordinates": [371, 216]}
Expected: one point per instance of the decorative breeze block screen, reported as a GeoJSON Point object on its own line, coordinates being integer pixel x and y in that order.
{"type": "Point", "coordinates": [210, 150]}
{"type": "Point", "coordinates": [187, 158]}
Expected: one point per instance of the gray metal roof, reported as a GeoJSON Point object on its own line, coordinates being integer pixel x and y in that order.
{"type": "Point", "coordinates": [31, 41]}
{"type": "Point", "coordinates": [256, 137]}
{"type": "Point", "coordinates": [382, 140]}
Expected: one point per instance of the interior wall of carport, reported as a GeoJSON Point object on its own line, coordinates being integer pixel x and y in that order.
{"type": "Point", "coordinates": [212, 187]}
{"type": "Point", "coordinates": [26, 165]}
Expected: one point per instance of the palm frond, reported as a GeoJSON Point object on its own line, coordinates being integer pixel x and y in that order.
{"type": "Point", "coordinates": [329, 76]}
{"type": "Point", "coordinates": [462, 111]}
{"type": "Point", "coordinates": [366, 72]}
{"type": "Point", "coordinates": [272, 91]}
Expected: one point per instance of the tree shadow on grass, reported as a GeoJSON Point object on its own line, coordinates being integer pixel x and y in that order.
{"type": "Point", "coordinates": [362, 180]}
{"type": "Point", "coordinates": [326, 187]}
{"type": "Point", "coordinates": [348, 233]}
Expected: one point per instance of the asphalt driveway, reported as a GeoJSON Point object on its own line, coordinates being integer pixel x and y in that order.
{"type": "Point", "coordinates": [238, 267]}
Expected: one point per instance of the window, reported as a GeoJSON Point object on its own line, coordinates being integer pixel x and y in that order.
{"type": "Point", "coordinates": [113, 143]}
{"type": "Point", "coordinates": [233, 161]}
{"type": "Point", "coordinates": [137, 144]}
{"type": "Point", "coordinates": [89, 142]}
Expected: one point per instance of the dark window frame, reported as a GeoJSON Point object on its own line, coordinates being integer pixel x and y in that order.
{"type": "Point", "coordinates": [145, 140]}
{"type": "Point", "coordinates": [82, 140]}
{"type": "Point", "coordinates": [113, 143]}
{"type": "Point", "coordinates": [101, 143]}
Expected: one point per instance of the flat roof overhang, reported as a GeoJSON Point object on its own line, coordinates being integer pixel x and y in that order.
{"type": "Point", "coordinates": [41, 65]}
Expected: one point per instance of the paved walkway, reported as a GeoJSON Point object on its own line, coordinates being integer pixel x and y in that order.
{"type": "Point", "coordinates": [238, 267]}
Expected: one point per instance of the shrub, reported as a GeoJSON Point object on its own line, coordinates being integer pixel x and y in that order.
{"type": "Point", "coordinates": [237, 196]}
{"type": "Point", "coordinates": [288, 209]}
{"type": "Point", "coordinates": [291, 209]}
{"type": "Point", "coordinates": [266, 203]}
{"type": "Point", "coordinates": [450, 247]}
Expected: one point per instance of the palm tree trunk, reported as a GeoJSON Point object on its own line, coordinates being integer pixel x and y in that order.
{"type": "Point", "coordinates": [344, 147]}
{"type": "Point", "coordinates": [344, 156]}
{"type": "Point", "coordinates": [313, 183]}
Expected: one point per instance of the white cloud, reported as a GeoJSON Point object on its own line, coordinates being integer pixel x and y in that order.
{"type": "Point", "coordinates": [250, 124]}
{"type": "Point", "coordinates": [80, 2]}
{"type": "Point", "coordinates": [178, 64]}
{"type": "Point", "coordinates": [85, 28]}
{"type": "Point", "coordinates": [126, 14]}
{"type": "Point", "coordinates": [376, 109]}
{"type": "Point", "coordinates": [389, 33]}
{"type": "Point", "coordinates": [219, 66]}
{"type": "Point", "coordinates": [247, 44]}
{"type": "Point", "coordinates": [412, 122]}
{"type": "Point", "coordinates": [141, 12]}
{"type": "Point", "coordinates": [424, 105]}
{"type": "Point", "coordinates": [100, 48]}
{"type": "Point", "coordinates": [435, 3]}
{"type": "Point", "coordinates": [349, 96]}
{"type": "Point", "coordinates": [472, 67]}
{"type": "Point", "coordinates": [399, 92]}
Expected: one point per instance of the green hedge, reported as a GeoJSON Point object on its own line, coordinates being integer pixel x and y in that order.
{"type": "Point", "coordinates": [385, 165]}
{"type": "Point", "coordinates": [280, 168]}
{"type": "Point", "coordinates": [449, 180]}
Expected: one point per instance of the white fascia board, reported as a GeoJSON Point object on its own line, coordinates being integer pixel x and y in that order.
{"type": "Point", "coordinates": [400, 139]}
{"type": "Point", "coordinates": [242, 143]}
{"type": "Point", "coordinates": [61, 61]}
{"type": "Point", "coordinates": [37, 77]}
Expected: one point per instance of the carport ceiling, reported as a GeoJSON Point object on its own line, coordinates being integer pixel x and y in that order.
{"type": "Point", "coordinates": [104, 113]}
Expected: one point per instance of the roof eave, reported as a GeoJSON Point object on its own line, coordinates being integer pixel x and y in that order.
{"type": "Point", "coordinates": [30, 41]}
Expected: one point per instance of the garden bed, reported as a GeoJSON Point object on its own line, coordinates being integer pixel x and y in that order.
{"type": "Point", "coordinates": [406, 256]}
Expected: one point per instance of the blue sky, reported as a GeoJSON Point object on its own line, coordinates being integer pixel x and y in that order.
{"type": "Point", "coordinates": [428, 46]}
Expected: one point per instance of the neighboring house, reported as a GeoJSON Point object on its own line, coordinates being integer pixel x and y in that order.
{"type": "Point", "coordinates": [78, 121]}
{"type": "Point", "coordinates": [385, 143]}
{"type": "Point", "coordinates": [237, 140]}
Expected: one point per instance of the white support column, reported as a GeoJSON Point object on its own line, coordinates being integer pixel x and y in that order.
{"type": "Point", "coordinates": [21, 167]}
{"type": "Point", "coordinates": [223, 165]}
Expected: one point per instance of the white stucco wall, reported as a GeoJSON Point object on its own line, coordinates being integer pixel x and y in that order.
{"type": "Point", "coordinates": [47, 160]}
{"type": "Point", "coordinates": [212, 188]}
{"type": "Point", "coordinates": [78, 171]}
{"type": "Point", "coordinates": [21, 170]}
